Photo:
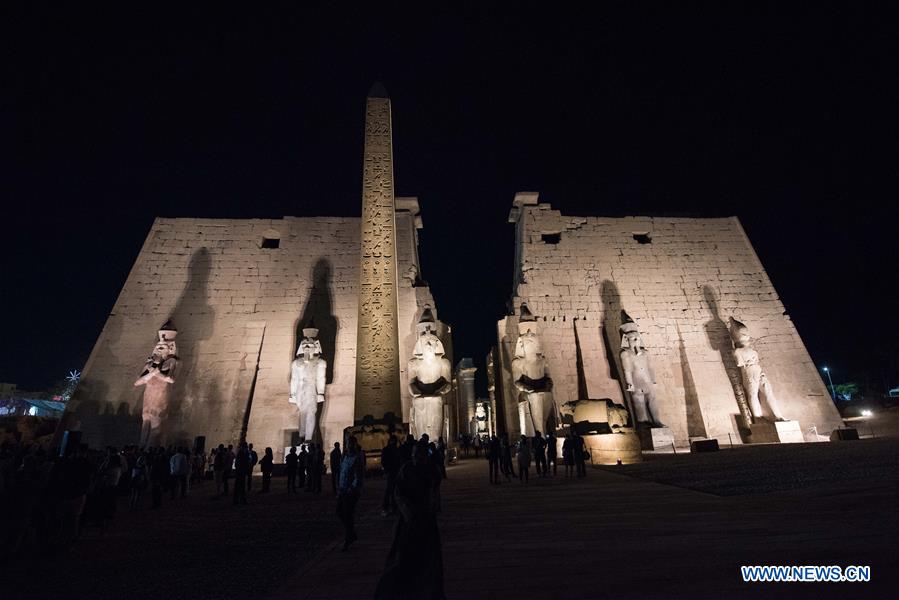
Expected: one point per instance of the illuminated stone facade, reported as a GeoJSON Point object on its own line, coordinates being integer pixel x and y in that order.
{"type": "Point", "coordinates": [681, 279]}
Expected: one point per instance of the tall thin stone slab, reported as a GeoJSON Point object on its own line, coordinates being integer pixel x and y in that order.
{"type": "Point", "coordinates": [377, 348]}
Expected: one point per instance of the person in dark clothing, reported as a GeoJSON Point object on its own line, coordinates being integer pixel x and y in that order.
{"type": "Point", "coordinates": [493, 459]}
{"type": "Point", "coordinates": [580, 455]}
{"type": "Point", "coordinates": [254, 460]}
{"type": "Point", "coordinates": [229, 466]}
{"type": "Point", "coordinates": [551, 453]}
{"type": "Point", "coordinates": [159, 472]}
{"type": "Point", "coordinates": [414, 568]}
{"type": "Point", "coordinates": [317, 456]}
{"type": "Point", "coordinates": [505, 457]}
{"type": "Point", "coordinates": [390, 462]}
{"type": "Point", "coordinates": [539, 446]}
{"type": "Point", "coordinates": [218, 470]}
{"type": "Point", "coordinates": [524, 460]}
{"type": "Point", "coordinates": [291, 461]}
{"type": "Point", "coordinates": [241, 472]}
{"type": "Point", "coordinates": [352, 473]}
{"type": "Point", "coordinates": [335, 457]}
{"type": "Point", "coordinates": [267, 466]}
{"type": "Point", "coordinates": [303, 468]}
{"type": "Point", "coordinates": [568, 455]}
{"type": "Point", "coordinates": [406, 449]}
{"type": "Point", "coordinates": [441, 456]}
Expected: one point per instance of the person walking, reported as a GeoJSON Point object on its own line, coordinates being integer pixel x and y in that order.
{"type": "Point", "coordinates": [267, 466]}
{"type": "Point", "coordinates": [291, 461]}
{"type": "Point", "coordinates": [492, 453]}
{"type": "Point", "coordinates": [524, 459]}
{"type": "Point", "coordinates": [390, 463]}
{"type": "Point", "coordinates": [241, 472]}
{"type": "Point", "coordinates": [335, 459]}
{"type": "Point", "coordinates": [551, 452]}
{"type": "Point", "coordinates": [539, 446]}
{"type": "Point", "coordinates": [352, 472]}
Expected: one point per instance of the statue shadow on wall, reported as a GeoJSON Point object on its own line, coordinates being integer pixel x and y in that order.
{"type": "Point", "coordinates": [611, 338]}
{"type": "Point", "coordinates": [718, 334]}
{"type": "Point", "coordinates": [320, 309]}
{"type": "Point", "coordinates": [194, 318]}
{"type": "Point", "coordinates": [92, 411]}
{"type": "Point", "coordinates": [695, 422]}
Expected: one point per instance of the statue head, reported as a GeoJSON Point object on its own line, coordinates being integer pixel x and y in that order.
{"type": "Point", "coordinates": [528, 345]}
{"type": "Point", "coordinates": [630, 334]}
{"type": "Point", "coordinates": [165, 343]}
{"type": "Point", "coordinates": [428, 345]}
{"type": "Point", "coordinates": [310, 347]}
{"type": "Point", "coordinates": [739, 333]}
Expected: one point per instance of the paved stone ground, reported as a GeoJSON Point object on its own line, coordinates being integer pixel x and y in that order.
{"type": "Point", "coordinates": [608, 536]}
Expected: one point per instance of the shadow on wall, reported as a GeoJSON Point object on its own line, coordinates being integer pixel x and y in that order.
{"type": "Point", "coordinates": [104, 420]}
{"type": "Point", "coordinates": [192, 395]}
{"type": "Point", "coordinates": [695, 422]}
{"type": "Point", "coordinates": [320, 309]}
{"type": "Point", "coordinates": [718, 334]}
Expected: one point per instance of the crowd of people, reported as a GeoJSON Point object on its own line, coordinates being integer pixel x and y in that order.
{"type": "Point", "coordinates": [540, 450]}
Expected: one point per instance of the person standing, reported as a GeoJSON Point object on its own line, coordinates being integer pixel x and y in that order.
{"type": "Point", "coordinates": [568, 454]}
{"type": "Point", "coordinates": [303, 480]}
{"type": "Point", "coordinates": [335, 457]}
{"type": "Point", "coordinates": [505, 457]}
{"type": "Point", "coordinates": [241, 472]}
{"type": "Point", "coordinates": [414, 567]}
{"type": "Point", "coordinates": [267, 466]}
{"type": "Point", "coordinates": [580, 455]}
{"type": "Point", "coordinates": [539, 454]}
{"type": "Point", "coordinates": [229, 466]}
{"type": "Point", "coordinates": [318, 466]}
{"type": "Point", "coordinates": [159, 470]}
{"type": "Point", "coordinates": [524, 460]}
{"type": "Point", "coordinates": [390, 463]}
{"type": "Point", "coordinates": [441, 456]}
{"type": "Point", "coordinates": [352, 472]}
{"type": "Point", "coordinates": [218, 470]}
{"type": "Point", "coordinates": [551, 452]}
{"type": "Point", "coordinates": [254, 460]}
{"type": "Point", "coordinates": [493, 459]}
{"type": "Point", "coordinates": [179, 468]}
{"type": "Point", "coordinates": [291, 462]}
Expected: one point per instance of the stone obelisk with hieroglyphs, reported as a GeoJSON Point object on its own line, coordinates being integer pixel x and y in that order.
{"type": "Point", "coordinates": [377, 341]}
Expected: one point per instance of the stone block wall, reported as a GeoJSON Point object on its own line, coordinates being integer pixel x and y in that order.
{"type": "Point", "coordinates": [238, 305]}
{"type": "Point", "coordinates": [680, 279]}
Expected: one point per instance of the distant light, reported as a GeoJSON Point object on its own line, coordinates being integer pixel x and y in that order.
{"type": "Point", "coordinates": [867, 413]}
{"type": "Point", "coordinates": [826, 369]}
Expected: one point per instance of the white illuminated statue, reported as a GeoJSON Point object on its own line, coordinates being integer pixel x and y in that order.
{"type": "Point", "coordinates": [755, 382]}
{"type": "Point", "coordinates": [157, 378]}
{"type": "Point", "coordinates": [638, 373]}
{"type": "Point", "coordinates": [430, 375]}
{"type": "Point", "coordinates": [307, 380]}
{"type": "Point", "coordinates": [529, 376]}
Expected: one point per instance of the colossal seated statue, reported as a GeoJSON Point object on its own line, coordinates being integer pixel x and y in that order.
{"type": "Point", "coordinates": [430, 375]}
{"type": "Point", "coordinates": [529, 376]}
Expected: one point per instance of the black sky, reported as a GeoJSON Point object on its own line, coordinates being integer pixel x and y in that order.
{"type": "Point", "coordinates": [784, 117]}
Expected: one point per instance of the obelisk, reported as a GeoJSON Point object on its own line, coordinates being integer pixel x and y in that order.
{"type": "Point", "coordinates": [377, 340]}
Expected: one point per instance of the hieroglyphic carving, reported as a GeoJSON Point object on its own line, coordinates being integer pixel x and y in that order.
{"type": "Point", "coordinates": [377, 351]}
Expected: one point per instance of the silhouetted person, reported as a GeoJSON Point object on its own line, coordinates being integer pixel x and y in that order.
{"type": "Point", "coordinates": [493, 451]}
{"type": "Point", "coordinates": [219, 467]}
{"type": "Point", "coordinates": [241, 472]}
{"type": "Point", "coordinates": [291, 461]}
{"type": "Point", "coordinates": [303, 469]}
{"type": "Point", "coordinates": [159, 471]}
{"type": "Point", "coordinates": [568, 454]}
{"type": "Point", "coordinates": [524, 460]}
{"type": "Point", "coordinates": [414, 568]}
{"type": "Point", "coordinates": [580, 455]}
{"type": "Point", "coordinates": [505, 457]}
{"type": "Point", "coordinates": [229, 466]}
{"type": "Point", "coordinates": [254, 460]}
{"type": "Point", "coordinates": [352, 473]}
{"type": "Point", "coordinates": [539, 454]}
{"type": "Point", "coordinates": [390, 462]}
{"type": "Point", "coordinates": [406, 449]}
{"type": "Point", "coordinates": [551, 450]}
{"type": "Point", "coordinates": [267, 466]}
{"type": "Point", "coordinates": [335, 459]}
{"type": "Point", "coordinates": [441, 456]}
{"type": "Point", "coordinates": [179, 469]}
{"type": "Point", "coordinates": [317, 456]}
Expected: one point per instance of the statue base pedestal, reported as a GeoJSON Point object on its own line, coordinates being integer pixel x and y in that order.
{"type": "Point", "coordinates": [609, 448]}
{"type": "Point", "coordinates": [777, 432]}
{"type": "Point", "coordinates": [656, 438]}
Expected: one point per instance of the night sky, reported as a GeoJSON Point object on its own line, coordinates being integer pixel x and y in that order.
{"type": "Point", "coordinates": [783, 118]}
